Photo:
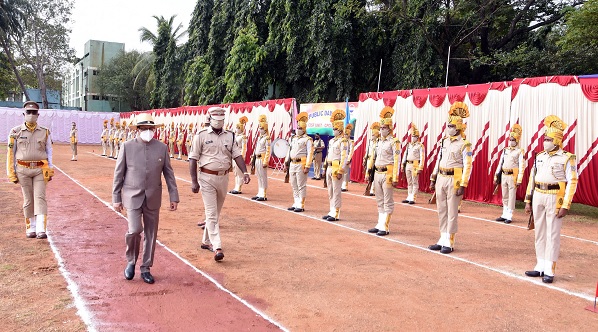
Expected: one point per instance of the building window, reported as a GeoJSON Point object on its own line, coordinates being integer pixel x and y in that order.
{"type": "Point", "coordinates": [94, 97]}
{"type": "Point", "coordinates": [95, 72]}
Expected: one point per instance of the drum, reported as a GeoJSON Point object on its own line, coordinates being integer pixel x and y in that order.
{"type": "Point", "coordinates": [280, 148]}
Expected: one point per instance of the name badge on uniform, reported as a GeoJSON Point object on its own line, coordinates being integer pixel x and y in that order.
{"type": "Point", "coordinates": [208, 142]}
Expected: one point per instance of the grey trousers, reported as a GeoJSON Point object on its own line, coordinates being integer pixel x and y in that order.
{"type": "Point", "coordinates": [146, 221]}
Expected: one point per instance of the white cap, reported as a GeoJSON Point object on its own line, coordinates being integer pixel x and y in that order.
{"type": "Point", "coordinates": [217, 113]}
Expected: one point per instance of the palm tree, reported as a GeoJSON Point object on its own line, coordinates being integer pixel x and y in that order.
{"type": "Point", "coordinates": [12, 23]}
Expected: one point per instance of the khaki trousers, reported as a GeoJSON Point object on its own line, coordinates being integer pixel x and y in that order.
{"type": "Point", "coordinates": [298, 181]}
{"type": "Point", "coordinates": [188, 145]}
{"type": "Point", "coordinates": [171, 148]}
{"type": "Point", "coordinates": [318, 165]}
{"type": "Point", "coordinates": [213, 192]}
{"type": "Point", "coordinates": [346, 176]}
{"type": "Point", "coordinates": [384, 193]}
{"type": "Point", "coordinates": [262, 177]}
{"type": "Point", "coordinates": [334, 191]}
{"type": "Point", "coordinates": [142, 220]}
{"type": "Point", "coordinates": [447, 203]}
{"type": "Point", "coordinates": [238, 177]}
{"type": "Point", "coordinates": [33, 187]}
{"type": "Point", "coordinates": [111, 149]}
{"type": "Point", "coordinates": [74, 149]}
{"type": "Point", "coordinates": [547, 228]}
{"type": "Point", "coordinates": [509, 190]}
{"type": "Point", "coordinates": [104, 147]}
{"type": "Point", "coordinates": [180, 148]}
{"type": "Point", "coordinates": [412, 182]}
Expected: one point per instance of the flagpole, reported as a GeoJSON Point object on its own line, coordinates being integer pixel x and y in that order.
{"type": "Point", "coordinates": [379, 74]}
{"type": "Point", "coordinates": [448, 61]}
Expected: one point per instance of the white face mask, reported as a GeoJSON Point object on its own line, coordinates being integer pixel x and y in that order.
{"type": "Point", "coordinates": [548, 146]}
{"type": "Point", "coordinates": [300, 132]}
{"type": "Point", "coordinates": [384, 132]}
{"type": "Point", "coordinates": [262, 131]}
{"type": "Point", "coordinates": [414, 139]}
{"type": "Point", "coordinates": [239, 131]}
{"type": "Point", "coordinates": [513, 143]}
{"type": "Point", "coordinates": [336, 132]}
{"type": "Point", "coordinates": [217, 124]}
{"type": "Point", "coordinates": [146, 135]}
{"type": "Point", "coordinates": [451, 131]}
{"type": "Point", "coordinates": [31, 118]}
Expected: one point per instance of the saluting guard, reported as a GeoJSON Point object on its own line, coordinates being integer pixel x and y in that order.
{"type": "Point", "coordinates": [510, 172]}
{"type": "Point", "coordinates": [337, 155]}
{"type": "Point", "coordinates": [262, 158]}
{"type": "Point", "coordinates": [413, 164]}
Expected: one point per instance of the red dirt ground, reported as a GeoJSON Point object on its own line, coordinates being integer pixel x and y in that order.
{"type": "Point", "coordinates": [302, 272]}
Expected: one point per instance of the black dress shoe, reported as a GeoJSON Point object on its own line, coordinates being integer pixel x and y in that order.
{"type": "Point", "coordinates": [254, 198]}
{"type": "Point", "coordinates": [147, 277]}
{"type": "Point", "coordinates": [343, 190]}
{"type": "Point", "coordinates": [411, 202]}
{"type": "Point", "coordinates": [31, 235]}
{"type": "Point", "coordinates": [292, 208]}
{"type": "Point", "coordinates": [405, 201]}
{"type": "Point", "coordinates": [314, 178]}
{"type": "Point", "coordinates": [500, 219]}
{"type": "Point", "coordinates": [382, 233]}
{"type": "Point", "coordinates": [325, 217]}
{"type": "Point", "coordinates": [129, 271]}
{"type": "Point", "coordinates": [435, 247]}
{"type": "Point", "coordinates": [299, 210]}
{"type": "Point", "coordinates": [261, 199]}
{"type": "Point", "coordinates": [41, 235]}
{"type": "Point", "coordinates": [219, 255]}
{"type": "Point", "coordinates": [234, 192]}
{"type": "Point", "coordinates": [534, 274]}
{"type": "Point", "coordinates": [332, 219]}
{"type": "Point", "coordinates": [373, 230]}
{"type": "Point", "coordinates": [547, 279]}
{"type": "Point", "coordinates": [508, 221]}
{"type": "Point", "coordinates": [372, 194]}
{"type": "Point", "coordinates": [446, 250]}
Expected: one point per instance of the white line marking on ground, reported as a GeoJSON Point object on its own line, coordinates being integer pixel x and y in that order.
{"type": "Point", "coordinates": [83, 306]}
{"type": "Point", "coordinates": [460, 214]}
{"type": "Point", "coordinates": [535, 281]}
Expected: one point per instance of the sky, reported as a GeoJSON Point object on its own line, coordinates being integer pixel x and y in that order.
{"type": "Point", "coordinates": [120, 20]}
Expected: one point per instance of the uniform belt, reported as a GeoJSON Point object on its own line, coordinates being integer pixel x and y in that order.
{"type": "Point", "coordinates": [296, 160]}
{"type": "Point", "coordinates": [31, 163]}
{"type": "Point", "coordinates": [258, 155]}
{"type": "Point", "coordinates": [507, 171]}
{"type": "Point", "coordinates": [329, 163]}
{"type": "Point", "coordinates": [209, 171]}
{"type": "Point", "coordinates": [381, 169]}
{"type": "Point", "coordinates": [447, 171]}
{"type": "Point", "coordinates": [546, 186]}
{"type": "Point", "coordinates": [409, 161]}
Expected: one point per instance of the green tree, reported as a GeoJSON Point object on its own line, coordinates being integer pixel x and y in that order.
{"type": "Point", "coordinates": [243, 67]}
{"type": "Point", "coordinates": [44, 45]}
{"type": "Point", "coordinates": [118, 79]}
{"type": "Point", "coordinates": [12, 23]}
{"type": "Point", "coordinates": [580, 41]}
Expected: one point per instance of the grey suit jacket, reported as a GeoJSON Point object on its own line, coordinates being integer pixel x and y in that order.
{"type": "Point", "coordinates": [137, 175]}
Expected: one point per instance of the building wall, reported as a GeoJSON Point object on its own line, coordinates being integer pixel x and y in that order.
{"type": "Point", "coordinates": [80, 87]}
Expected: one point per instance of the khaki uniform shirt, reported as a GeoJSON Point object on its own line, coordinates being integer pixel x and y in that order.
{"type": "Point", "coordinates": [415, 151]}
{"type": "Point", "coordinates": [554, 168]}
{"type": "Point", "coordinates": [262, 147]}
{"type": "Point", "coordinates": [301, 147]}
{"type": "Point", "coordinates": [214, 151]}
{"type": "Point", "coordinates": [455, 153]}
{"type": "Point", "coordinates": [387, 154]}
{"type": "Point", "coordinates": [512, 158]}
{"type": "Point", "coordinates": [74, 136]}
{"type": "Point", "coordinates": [105, 134]}
{"type": "Point", "coordinates": [241, 141]}
{"type": "Point", "coordinates": [32, 146]}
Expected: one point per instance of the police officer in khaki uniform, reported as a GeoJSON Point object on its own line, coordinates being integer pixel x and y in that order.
{"type": "Point", "coordinates": [241, 141]}
{"type": "Point", "coordinates": [299, 159]}
{"type": "Point", "coordinates": [388, 151]}
{"type": "Point", "coordinates": [552, 185]}
{"type": "Point", "coordinates": [451, 176]}
{"type": "Point", "coordinates": [337, 155]}
{"type": "Point", "coordinates": [171, 139]}
{"type": "Point", "coordinates": [347, 165]}
{"type": "Point", "coordinates": [29, 163]}
{"type": "Point", "coordinates": [111, 133]}
{"type": "Point", "coordinates": [189, 139]}
{"type": "Point", "coordinates": [105, 137]}
{"type": "Point", "coordinates": [413, 164]}
{"type": "Point", "coordinates": [74, 138]}
{"type": "Point", "coordinates": [180, 140]}
{"type": "Point", "coordinates": [318, 150]}
{"type": "Point", "coordinates": [370, 156]}
{"type": "Point", "coordinates": [116, 138]}
{"type": "Point", "coordinates": [213, 150]}
{"type": "Point", "coordinates": [262, 158]}
{"type": "Point", "coordinates": [511, 166]}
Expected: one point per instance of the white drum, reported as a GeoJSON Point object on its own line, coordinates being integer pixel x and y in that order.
{"type": "Point", "coordinates": [280, 148]}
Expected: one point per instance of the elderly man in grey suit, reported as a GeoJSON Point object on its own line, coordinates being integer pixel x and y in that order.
{"type": "Point", "coordinates": [138, 188]}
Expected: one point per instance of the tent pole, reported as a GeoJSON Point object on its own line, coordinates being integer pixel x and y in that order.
{"type": "Point", "coordinates": [379, 74]}
{"type": "Point", "coordinates": [448, 61]}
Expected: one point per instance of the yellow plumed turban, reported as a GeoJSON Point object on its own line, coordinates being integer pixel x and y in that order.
{"type": "Point", "coordinates": [348, 129]}
{"type": "Point", "coordinates": [386, 116]}
{"type": "Point", "coordinates": [375, 127]}
{"type": "Point", "coordinates": [242, 121]}
{"type": "Point", "coordinates": [516, 132]}
{"type": "Point", "coordinates": [302, 120]}
{"type": "Point", "coordinates": [554, 129]}
{"type": "Point", "coordinates": [457, 113]}
{"type": "Point", "coordinates": [338, 120]}
{"type": "Point", "coordinates": [414, 131]}
{"type": "Point", "coordinates": [263, 122]}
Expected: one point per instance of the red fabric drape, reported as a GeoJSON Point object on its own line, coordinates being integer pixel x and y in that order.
{"type": "Point", "coordinates": [477, 93]}
{"type": "Point", "coordinates": [535, 81]}
{"type": "Point", "coordinates": [404, 93]}
{"type": "Point", "coordinates": [563, 80]}
{"type": "Point", "coordinates": [420, 96]}
{"type": "Point", "coordinates": [437, 96]}
{"type": "Point", "coordinates": [456, 93]}
{"type": "Point", "coordinates": [589, 87]}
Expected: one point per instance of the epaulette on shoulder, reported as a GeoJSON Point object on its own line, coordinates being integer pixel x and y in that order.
{"type": "Point", "coordinates": [570, 155]}
{"type": "Point", "coordinates": [396, 140]}
{"type": "Point", "coordinates": [466, 143]}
